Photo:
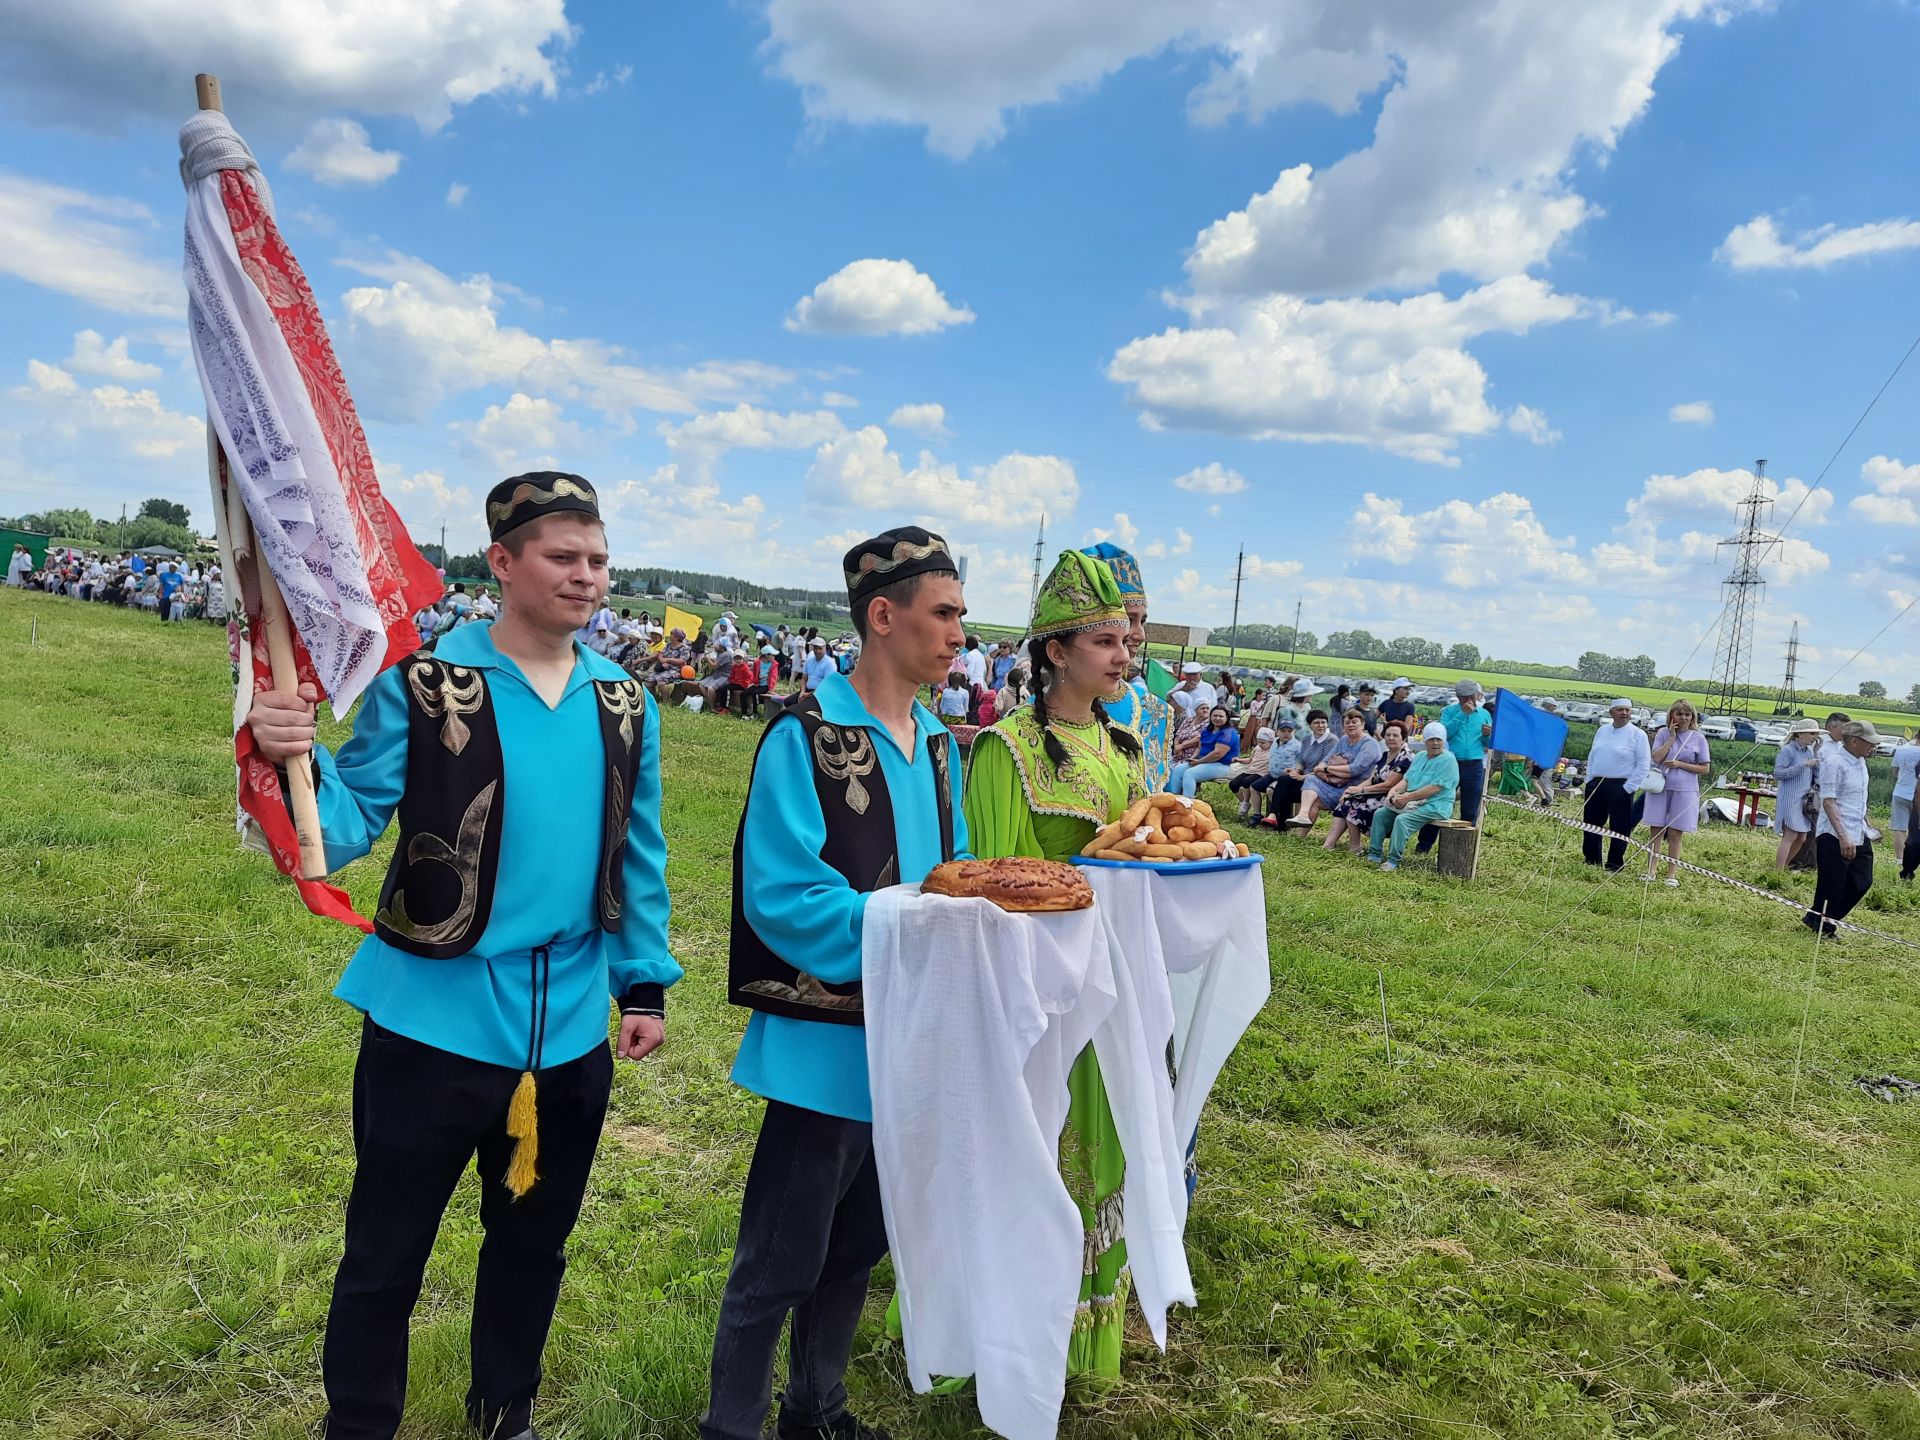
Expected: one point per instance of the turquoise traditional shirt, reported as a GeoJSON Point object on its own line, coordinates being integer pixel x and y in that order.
{"type": "Point", "coordinates": [1463, 731]}
{"type": "Point", "coordinates": [1152, 720]}
{"type": "Point", "coordinates": [1442, 770]}
{"type": "Point", "coordinates": [806, 911]}
{"type": "Point", "coordinates": [481, 1004]}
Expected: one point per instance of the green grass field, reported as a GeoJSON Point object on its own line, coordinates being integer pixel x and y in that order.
{"type": "Point", "coordinates": [1597, 1191]}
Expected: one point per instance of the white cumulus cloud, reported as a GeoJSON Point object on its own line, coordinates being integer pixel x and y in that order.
{"type": "Point", "coordinates": [1390, 374]}
{"type": "Point", "coordinates": [427, 500]}
{"type": "Point", "coordinates": [929, 419]}
{"type": "Point", "coordinates": [136, 419]}
{"type": "Point", "coordinates": [877, 297]}
{"type": "Point", "coordinates": [92, 247]}
{"type": "Point", "coordinates": [1759, 245]}
{"type": "Point", "coordinates": [748, 427]}
{"type": "Point", "coordinates": [1181, 544]}
{"type": "Point", "coordinates": [1211, 479]}
{"type": "Point", "coordinates": [93, 355]}
{"type": "Point", "coordinates": [340, 152]}
{"type": "Point", "coordinates": [526, 433]}
{"type": "Point", "coordinates": [1894, 493]}
{"type": "Point", "coordinates": [859, 468]}
{"type": "Point", "coordinates": [457, 194]}
{"type": "Point", "coordinates": [98, 63]}
{"type": "Point", "coordinates": [424, 336]}
{"type": "Point", "coordinates": [1466, 544]}
{"type": "Point", "coordinates": [1692, 412]}
{"type": "Point", "coordinates": [1123, 532]}
{"type": "Point", "coordinates": [1525, 420]}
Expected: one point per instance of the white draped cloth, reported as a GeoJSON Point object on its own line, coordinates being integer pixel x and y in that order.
{"type": "Point", "coordinates": [973, 1019]}
{"type": "Point", "coordinates": [277, 452]}
{"type": "Point", "coordinates": [1206, 932]}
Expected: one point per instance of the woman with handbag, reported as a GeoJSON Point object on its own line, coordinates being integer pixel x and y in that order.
{"type": "Point", "coordinates": [1680, 758]}
{"type": "Point", "coordinates": [1793, 770]}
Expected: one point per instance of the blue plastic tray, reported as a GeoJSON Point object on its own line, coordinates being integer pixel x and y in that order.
{"type": "Point", "coordinates": [1173, 867]}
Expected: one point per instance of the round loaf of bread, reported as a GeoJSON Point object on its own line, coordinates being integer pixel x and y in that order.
{"type": "Point", "coordinates": [1018, 883]}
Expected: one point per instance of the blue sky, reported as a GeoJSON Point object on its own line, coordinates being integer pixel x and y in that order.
{"type": "Point", "coordinates": [1401, 298]}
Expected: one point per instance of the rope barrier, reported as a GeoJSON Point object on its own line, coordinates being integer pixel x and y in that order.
{"type": "Point", "coordinates": [1771, 895]}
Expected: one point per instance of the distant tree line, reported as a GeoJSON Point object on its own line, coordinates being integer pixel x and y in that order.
{"type": "Point", "coordinates": [159, 522]}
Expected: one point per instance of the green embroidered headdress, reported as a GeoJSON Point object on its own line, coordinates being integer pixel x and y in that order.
{"type": "Point", "coordinates": [1126, 571]}
{"type": "Point", "coordinates": [1079, 595]}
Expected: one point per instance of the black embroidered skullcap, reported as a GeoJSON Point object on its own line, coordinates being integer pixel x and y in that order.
{"type": "Point", "coordinates": [512, 503]}
{"type": "Point", "coordinates": [895, 555]}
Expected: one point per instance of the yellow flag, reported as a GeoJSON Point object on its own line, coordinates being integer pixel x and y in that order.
{"type": "Point", "coordinates": [685, 619]}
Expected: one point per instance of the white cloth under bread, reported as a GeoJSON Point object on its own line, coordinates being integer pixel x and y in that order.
{"type": "Point", "coordinates": [973, 1019]}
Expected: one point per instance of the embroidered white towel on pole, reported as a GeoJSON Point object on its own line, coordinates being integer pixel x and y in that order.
{"type": "Point", "coordinates": [277, 452]}
{"type": "Point", "coordinates": [973, 1019]}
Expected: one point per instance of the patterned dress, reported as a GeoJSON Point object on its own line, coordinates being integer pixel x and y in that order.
{"type": "Point", "coordinates": [1358, 810]}
{"type": "Point", "coordinates": [1019, 803]}
{"type": "Point", "coordinates": [1151, 718]}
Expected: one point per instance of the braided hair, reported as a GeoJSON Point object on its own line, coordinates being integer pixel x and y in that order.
{"type": "Point", "coordinates": [1044, 671]}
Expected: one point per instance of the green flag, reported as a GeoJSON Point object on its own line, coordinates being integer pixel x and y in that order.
{"type": "Point", "coordinates": [1161, 681]}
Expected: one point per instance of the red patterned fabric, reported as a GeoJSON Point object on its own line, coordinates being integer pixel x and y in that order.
{"type": "Point", "coordinates": [400, 578]}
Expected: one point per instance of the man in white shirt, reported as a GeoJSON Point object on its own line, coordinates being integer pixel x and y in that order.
{"type": "Point", "coordinates": [484, 605]}
{"type": "Point", "coordinates": [974, 661]}
{"type": "Point", "coordinates": [1616, 766]}
{"type": "Point", "coordinates": [1906, 765]}
{"type": "Point", "coordinates": [1192, 692]}
{"type": "Point", "coordinates": [818, 665]}
{"type": "Point", "coordinates": [1843, 856]}
{"type": "Point", "coordinates": [601, 619]}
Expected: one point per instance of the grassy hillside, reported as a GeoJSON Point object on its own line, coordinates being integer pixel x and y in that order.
{"type": "Point", "coordinates": [1606, 1186]}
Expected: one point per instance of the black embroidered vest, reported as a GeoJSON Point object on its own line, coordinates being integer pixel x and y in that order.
{"type": "Point", "coordinates": [861, 845]}
{"type": "Point", "coordinates": [438, 894]}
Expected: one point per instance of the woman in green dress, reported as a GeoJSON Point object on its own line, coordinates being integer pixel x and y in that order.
{"type": "Point", "coordinates": [1041, 782]}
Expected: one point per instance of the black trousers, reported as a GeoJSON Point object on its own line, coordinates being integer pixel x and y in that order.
{"type": "Point", "coordinates": [1283, 797]}
{"type": "Point", "coordinates": [811, 1232]}
{"type": "Point", "coordinates": [1840, 883]}
{"type": "Point", "coordinates": [419, 1116]}
{"type": "Point", "coordinates": [1611, 804]}
{"type": "Point", "coordinates": [1910, 856]}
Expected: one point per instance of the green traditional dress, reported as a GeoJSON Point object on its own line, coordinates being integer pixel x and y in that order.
{"type": "Point", "coordinates": [1018, 803]}
{"type": "Point", "coordinates": [1029, 806]}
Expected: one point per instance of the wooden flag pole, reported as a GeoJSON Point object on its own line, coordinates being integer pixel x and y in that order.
{"type": "Point", "coordinates": [276, 625]}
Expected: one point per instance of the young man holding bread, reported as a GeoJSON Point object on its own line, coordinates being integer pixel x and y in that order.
{"type": "Point", "coordinates": [855, 787]}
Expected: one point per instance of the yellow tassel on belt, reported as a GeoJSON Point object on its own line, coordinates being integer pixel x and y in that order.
{"type": "Point", "coordinates": [523, 1124]}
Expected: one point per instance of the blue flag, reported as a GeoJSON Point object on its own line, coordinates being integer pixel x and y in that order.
{"type": "Point", "coordinates": [1522, 729]}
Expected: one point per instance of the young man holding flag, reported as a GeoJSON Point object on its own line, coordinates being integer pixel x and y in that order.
{"type": "Point", "coordinates": [528, 885]}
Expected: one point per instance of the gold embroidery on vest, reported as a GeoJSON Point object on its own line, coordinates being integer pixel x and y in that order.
{"type": "Point", "coordinates": [625, 699]}
{"type": "Point", "coordinates": [460, 692]}
{"type": "Point", "coordinates": [462, 857]}
{"type": "Point", "coordinates": [806, 991]}
{"type": "Point", "coordinates": [845, 754]}
{"type": "Point", "coordinates": [616, 843]}
{"type": "Point", "coordinates": [937, 745]}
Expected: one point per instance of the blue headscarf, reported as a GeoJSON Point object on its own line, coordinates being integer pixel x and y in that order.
{"type": "Point", "coordinates": [1126, 571]}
